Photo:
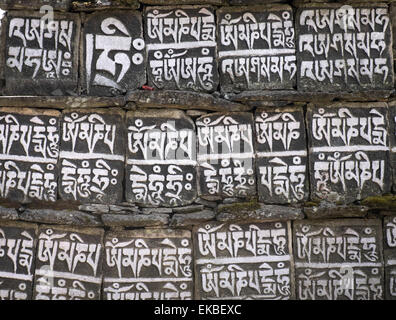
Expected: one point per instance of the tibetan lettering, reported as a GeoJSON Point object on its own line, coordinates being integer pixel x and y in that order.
{"type": "Point", "coordinates": [256, 48]}
{"type": "Point", "coordinates": [68, 264]}
{"type": "Point", "coordinates": [161, 163]}
{"type": "Point", "coordinates": [181, 48]}
{"type": "Point", "coordinates": [244, 261]}
{"type": "Point", "coordinates": [226, 155]}
{"type": "Point", "coordinates": [390, 257]}
{"type": "Point", "coordinates": [29, 149]}
{"type": "Point", "coordinates": [148, 265]}
{"type": "Point", "coordinates": [281, 155]}
{"type": "Point", "coordinates": [349, 151]}
{"type": "Point", "coordinates": [114, 59]}
{"type": "Point", "coordinates": [17, 256]}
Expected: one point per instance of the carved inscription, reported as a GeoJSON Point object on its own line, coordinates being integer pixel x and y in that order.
{"type": "Point", "coordinates": [281, 155]}
{"type": "Point", "coordinates": [17, 254]}
{"type": "Point", "coordinates": [114, 52]}
{"type": "Point", "coordinates": [41, 53]}
{"type": "Point", "coordinates": [92, 155]}
{"type": "Point", "coordinates": [148, 265]}
{"type": "Point", "coordinates": [343, 47]}
{"type": "Point", "coordinates": [256, 48]}
{"type": "Point", "coordinates": [246, 261]}
{"type": "Point", "coordinates": [181, 47]}
{"type": "Point", "coordinates": [226, 155]}
{"type": "Point", "coordinates": [338, 260]}
{"type": "Point", "coordinates": [68, 264]}
{"type": "Point", "coordinates": [29, 149]}
{"type": "Point", "coordinates": [349, 151]}
{"type": "Point", "coordinates": [390, 257]}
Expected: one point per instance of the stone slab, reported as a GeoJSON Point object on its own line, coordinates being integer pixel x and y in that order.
{"type": "Point", "coordinates": [161, 158]}
{"type": "Point", "coordinates": [191, 219]}
{"type": "Point", "coordinates": [328, 210]}
{"type": "Point", "coordinates": [183, 2]}
{"type": "Point", "coordinates": [113, 61]}
{"type": "Point", "coordinates": [69, 263]}
{"type": "Point", "coordinates": [29, 150]}
{"type": "Point", "coordinates": [41, 58]}
{"type": "Point", "coordinates": [390, 257]}
{"type": "Point", "coordinates": [8, 214]}
{"type": "Point", "coordinates": [392, 139]}
{"type": "Point", "coordinates": [243, 261]}
{"type": "Point", "coordinates": [60, 217]}
{"type": "Point", "coordinates": [136, 220]}
{"type": "Point", "coordinates": [281, 155]}
{"type": "Point", "coordinates": [349, 151]}
{"type": "Point", "coordinates": [338, 259]}
{"type": "Point", "coordinates": [17, 260]}
{"type": "Point", "coordinates": [256, 48]}
{"type": "Point", "coordinates": [61, 5]}
{"type": "Point", "coordinates": [92, 155]}
{"type": "Point", "coordinates": [148, 265]}
{"type": "Point", "coordinates": [93, 5]}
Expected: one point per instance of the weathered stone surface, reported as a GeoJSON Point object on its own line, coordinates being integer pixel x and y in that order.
{"type": "Point", "coordinates": [206, 203]}
{"type": "Point", "coordinates": [392, 13]}
{"type": "Point", "coordinates": [256, 212]}
{"type": "Point", "coordinates": [349, 151]}
{"type": "Point", "coordinates": [61, 5]}
{"type": "Point", "coordinates": [136, 220]}
{"type": "Point", "coordinates": [148, 265]}
{"type": "Point", "coordinates": [191, 219]}
{"type": "Point", "coordinates": [94, 208]}
{"type": "Point", "coordinates": [253, 2]}
{"type": "Point", "coordinates": [123, 209]}
{"type": "Point", "coordinates": [92, 155]}
{"type": "Point", "coordinates": [8, 214]}
{"type": "Point", "coordinates": [29, 150]}
{"type": "Point", "coordinates": [41, 58]}
{"type": "Point", "coordinates": [390, 257]}
{"type": "Point", "coordinates": [188, 209]}
{"type": "Point", "coordinates": [281, 155]}
{"type": "Point", "coordinates": [330, 210]}
{"type": "Point", "coordinates": [392, 139]}
{"type": "Point", "coordinates": [156, 210]}
{"type": "Point", "coordinates": [256, 48]}
{"type": "Point", "coordinates": [172, 2]}
{"type": "Point", "coordinates": [68, 264]}
{"type": "Point", "coordinates": [17, 255]}
{"type": "Point", "coordinates": [385, 204]}
{"type": "Point", "coordinates": [344, 48]}
{"type": "Point", "coordinates": [195, 113]}
{"type": "Point", "coordinates": [177, 99]}
{"type": "Point", "coordinates": [65, 217]}
{"type": "Point", "coordinates": [114, 59]}
{"type": "Point", "coordinates": [258, 255]}
{"type": "Point", "coordinates": [338, 259]}
{"type": "Point", "coordinates": [161, 158]}
{"type": "Point", "coordinates": [91, 5]}
{"type": "Point", "coordinates": [181, 48]}
{"type": "Point", "coordinates": [226, 156]}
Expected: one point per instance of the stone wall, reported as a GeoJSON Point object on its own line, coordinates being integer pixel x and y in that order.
{"type": "Point", "coordinates": [203, 149]}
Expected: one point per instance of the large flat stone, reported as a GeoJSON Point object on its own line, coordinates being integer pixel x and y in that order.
{"type": "Point", "coordinates": [8, 213]}
{"type": "Point", "coordinates": [330, 210]}
{"type": "Point", "coordinates": [93, 5]}
{"type": "Point", "coordinates": [136, 220]}
{"type": "Point", "coordinates": [191, 219]}
{"type": "Point", "coordinates": [61, 5]}
{"type": "Point", "coordinates": [62, 217]}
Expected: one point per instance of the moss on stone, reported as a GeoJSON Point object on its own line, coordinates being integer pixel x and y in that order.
{"type": "Point", "coordinates": [384, 202]}
{"type": "Point", "coordinates": [238, 207]}
{"type": "Point", "coordinates": [311, 204]}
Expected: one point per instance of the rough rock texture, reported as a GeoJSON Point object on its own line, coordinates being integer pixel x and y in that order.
{"type": "Point", "coordinates": [136, 220]}
{"type": "Point", "coordinates": [63, 217]}
{"type": "Point", "coordinates": [191, 219]}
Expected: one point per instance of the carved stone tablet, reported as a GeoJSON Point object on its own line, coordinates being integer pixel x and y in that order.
{"type": "Point", "coordinates": [226, 155]}
{"type": "Point", "coordinates": [41, 53]}
{"type": "Point", "coordinates": [390, 257]}
{"type": "Point", "coordinates": [161, 158]}
{"type": "Point", "coordinates": [29, 150]}
{"type": "Point", "coordinates": [281, 155]}
{"type": "Point", "coordinates": [62, 5]}
{"type": "Point", "coordinates": [392, 138]}
{"type": "Point", "coordinates": [256, 48]}
{"type": "Point", "coordinates": [181, 48]}
{"type": "Point", "coordinates": [349, 151]}
{"type": "Point", "coordinates": [114, 57]}
{"type": "Point", "coordinates": [244, 261]}
{"type": "Point", "coordinates": [148, 265]}
{"type": "Point", "coordinates": [344, 48]}
{"type": "Point", "coordinates": [17, 255]}
{"type": "Point", "coordinates": [92, 155]}
{"type": "Point", "coordinates": [68, 264]}
{"type": "Point", "coordinates": [338, 259]}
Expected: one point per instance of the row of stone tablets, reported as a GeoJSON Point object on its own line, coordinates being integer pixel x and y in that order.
{"type": "Point", "coordinates": [168, 164]}
{"type": "Point", "coordinates": [339, 48]}
{"type": "Point", "coordinates": [320, 260]}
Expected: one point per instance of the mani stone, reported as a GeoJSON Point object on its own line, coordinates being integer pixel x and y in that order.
{"type": "Point", "coordinates": [344, 47]}
{"type": "Point", "coordinates": [390, 257]}
{"type": "Point", "coordinates": [281, 155]}
{"type": "Point", "coordinates": [348, 151]}
{"type": "Point", "coordinates": [338, 259]}
{"type": "Point", "coordinates": [181, 48]}
{"type": "Point", "coordinates": [92, 155]}
{"type": "Point", "coordinates": [114, 57]}
{"type": "Point", "coordinates": [41, 57]}
{"type": "Point", "coordinates": [161, 158]}
{"type": "Point", "coordinates": [392, 138]}
{"type": "Point", "coordinates": [148, 265]}
{"type": "Point", "coordinates": [256, 48]}
{"type": "Point", "coordinates": [29, 150]}
{"type": "Point", "coordinates": [68, 263]}
{"type": "Point", "coordinates": [17, 256]}
{"type": "Point", "coordinates": [243, 261]}
{"type": "Point", "coordinates": [226, 156]}
{"type": "Point", "coordinates": [44, 5]}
